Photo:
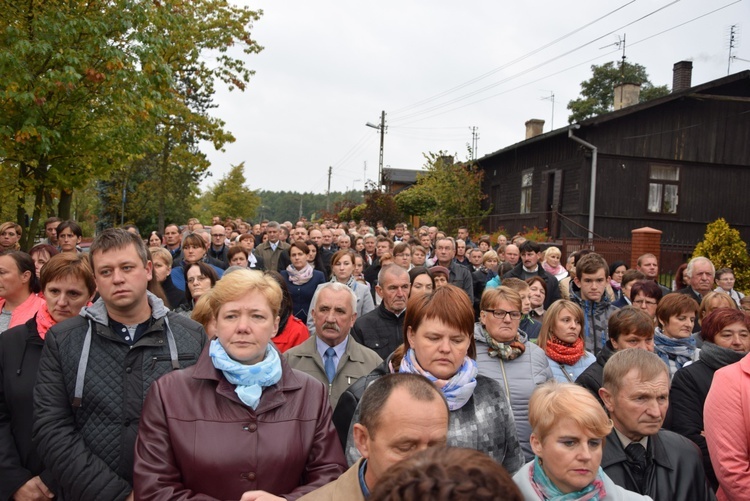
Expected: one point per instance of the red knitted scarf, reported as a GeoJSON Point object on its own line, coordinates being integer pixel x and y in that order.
{"type": "Point", "coordinates": [562, 352]}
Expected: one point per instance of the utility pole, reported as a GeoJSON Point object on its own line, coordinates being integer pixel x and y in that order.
{"type": "Point", "coordinates": [328, 192]}
{"type": "Point", "coordinates": [364, 185]}
{"type": "Point", "coordinates": [381, 128]}
{"type": "Point", "coordinates": [474, 142]}
{"type": "Point", "coordinates": [300, 209]}
{"type": "Point", "coordinates": [732, 40]}
{"type": "Point", "coordinates": [551, 97]}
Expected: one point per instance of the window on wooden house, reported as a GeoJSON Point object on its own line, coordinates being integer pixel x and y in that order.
{"type": "Point", "coordinates": [527, 179]}
{"type": "Point", "coordinates": [663, 189]}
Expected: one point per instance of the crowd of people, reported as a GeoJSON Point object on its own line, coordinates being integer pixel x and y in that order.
{"type": "Point", "coordinates": [342, 361]}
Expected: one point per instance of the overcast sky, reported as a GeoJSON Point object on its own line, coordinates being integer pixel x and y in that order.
{"type": "Point", "coordinates": [438, 68]}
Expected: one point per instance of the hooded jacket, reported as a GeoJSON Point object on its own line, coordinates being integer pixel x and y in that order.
{"type": "Point", "coordinates": [595, 320]}
{"type": "Point", "coordinates": [88, 445]}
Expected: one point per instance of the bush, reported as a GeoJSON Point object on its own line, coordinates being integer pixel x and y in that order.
{"type": "Point", "coordinates": [724, 247]}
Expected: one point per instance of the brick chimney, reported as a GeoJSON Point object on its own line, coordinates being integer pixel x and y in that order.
{"type": "Point", "coordinates": [534, 127]}
{"type": "Point", "coordinates": [682, 74]}
{"type": "Point", "coordinates": [627, 94]}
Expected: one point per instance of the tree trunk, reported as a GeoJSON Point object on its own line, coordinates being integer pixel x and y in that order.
{"type": "Point", "coordinates": [29, 237]}
{"type": "Point", "coordinates": [64, 205]}
{"type": "Point", "coordinates": [23, 173]}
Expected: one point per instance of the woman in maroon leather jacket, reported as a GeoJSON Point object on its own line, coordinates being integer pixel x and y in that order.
{"type": "Point", "coordinates": [240, 423]}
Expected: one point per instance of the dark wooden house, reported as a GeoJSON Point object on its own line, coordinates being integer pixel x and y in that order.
{"type": "Point", "coordinates": [675, 163]}
{"type": "Point", "coordinates": [397, 180]}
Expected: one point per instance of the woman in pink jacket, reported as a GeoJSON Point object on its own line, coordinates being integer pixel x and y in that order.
{"type": "Point", "coordinates": [726, 417]}
{"type": "Point", "coordinates": [18, 289]}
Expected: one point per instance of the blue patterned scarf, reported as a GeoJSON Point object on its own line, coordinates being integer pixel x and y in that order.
{"type": "Point", "coordinates": [248, 379]}
{"type": "Point", "coordinates": [457, 390]}
{"type": "Point", "coordinates": [680, 351]}
{"type": "Point", "coordinates": [545, 489]}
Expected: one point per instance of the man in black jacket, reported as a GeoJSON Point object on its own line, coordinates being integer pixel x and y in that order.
{"type": "Point", "coordinates": [96, 369]}
{"type": "Point", "coordinates": [638, 455]}
{"type": "Point", "coordinates": [381, 330]}
{"type": "Point", "coordinates": [528, 266]}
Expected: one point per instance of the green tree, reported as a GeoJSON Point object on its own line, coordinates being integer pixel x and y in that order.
{"type": "Point", "coordinates": [88, 90]}
{"type": "Point", "coordinates": [229, 197]}
{"type": "Point", "coordinates": [597, 93]}
{"type": "Point", "coordinates": [448, 194]}
{"type": "Point", "coordinates": [723, 245]}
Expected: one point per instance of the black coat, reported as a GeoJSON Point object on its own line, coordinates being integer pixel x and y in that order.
{"type": "Point", "coordinates": [675, 470]}
{"type": "Point", "coordinates": [591, 378]}
{"type": "Point", "coordinates": [349, 400]}
{"type": "Point", "coordinates": [20, 351]}
{"type": "Point", "coordinates": [687, 395]}
{"type": "Point", "coordinates": [380, 330]}
{"type": "Point", "coordinates": [553, 286]}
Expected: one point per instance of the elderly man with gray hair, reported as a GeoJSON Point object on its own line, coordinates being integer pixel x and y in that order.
{"type": "Point", "coordinates": [700, 273]}
{"type": "Point", "coordinates": [332, 356]}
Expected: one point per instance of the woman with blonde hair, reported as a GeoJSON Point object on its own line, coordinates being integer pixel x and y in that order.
{"type": "Point", "coordinates": [240, 419]}
{"type": "Point", "coordinates": [552, 265]}
{"type": "Point", "coordinates": [569, 427]}
{"type": "Point", "coordinates": [561, 338]}
{"type": "Point", "coordinates": [10, 234]}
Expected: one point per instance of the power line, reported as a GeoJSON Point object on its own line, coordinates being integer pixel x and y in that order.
{"type": "Point", "coordinates": [510, 63]}
{"type": "Point", "coordinates": [544, 63]}
{"type": "Point", "coordinates": [569, 67]}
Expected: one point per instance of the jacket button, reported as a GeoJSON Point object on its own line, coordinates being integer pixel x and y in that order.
{"type": "Point", "coordinates": [126, 422]}
{"type": "Point", "coordinates": [128, 369]}
{"type": "Point", "coordinates": [252, 427]}
{"type": "Point", "coordinates": [251, 476]}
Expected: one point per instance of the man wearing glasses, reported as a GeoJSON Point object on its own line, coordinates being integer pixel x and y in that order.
{"type": "Point", "coordinates": [218, 248]}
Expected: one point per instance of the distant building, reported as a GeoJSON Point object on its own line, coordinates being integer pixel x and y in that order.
{"type": "Point", "coordinates": [675, 163]}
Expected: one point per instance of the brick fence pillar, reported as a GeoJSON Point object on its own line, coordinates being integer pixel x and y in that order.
{"type": "Point", "coordinates": [645, 241]}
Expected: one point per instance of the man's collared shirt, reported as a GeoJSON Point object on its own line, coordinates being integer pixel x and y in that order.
{"type": "Point", "coordinates": [339, 349]}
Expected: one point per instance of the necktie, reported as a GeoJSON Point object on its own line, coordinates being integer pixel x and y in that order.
{"type": "Point", "coordinates": [637, 459]}
{"type": "Point", "coordinates": [329, 365]}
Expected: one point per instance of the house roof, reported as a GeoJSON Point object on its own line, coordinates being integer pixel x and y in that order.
{"type": "Point", "coordinates": [735, 85]}
{"type": "Point", "coordinates": [404, 176]}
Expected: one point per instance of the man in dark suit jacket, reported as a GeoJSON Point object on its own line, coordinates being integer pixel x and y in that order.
{"type": "Point", "coordinates": [528, 266]}
{"type": "Point", "coordinates": [700, 273]}
{"type": "Point", "coordinates": [638, 455]}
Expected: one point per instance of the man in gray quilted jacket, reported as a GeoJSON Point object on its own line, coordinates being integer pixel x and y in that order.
{"type": "Point", "coordinates": [96, 369]}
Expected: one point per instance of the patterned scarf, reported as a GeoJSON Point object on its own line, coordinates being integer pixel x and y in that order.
{"type": "Point", "coordinates": [545, 489]}
{"type": "Point", "coordinates": [615, 285]}
{"type": "Point", "coordinates": [562, 352]}
{"type": "Point", "coordinates": [248, 379]}
{"type": "Point", "coordinates": [349, 283]}
{"type": "Point", "coordinates": [44, 320]}
{"type": "Point", "coordinates": [457, 390]}
{"type": "Point", "coordinates": [300, 277]}
{"type": "Point", "coordinates": [506, 351]}
{"type": "Point", "coordinates": [678, 350]}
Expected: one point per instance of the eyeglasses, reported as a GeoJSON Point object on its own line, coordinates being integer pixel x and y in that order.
{"type": "Point", "coordinates": [222, 235]}
{"type": "Point", "coordinates": [500, 314]}
{"type": "Point", "coordinates": [644, 302]}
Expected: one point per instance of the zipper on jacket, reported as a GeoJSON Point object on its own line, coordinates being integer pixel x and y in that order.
{"type": "Point", "coordinates": [167, 358]}
{"type": "Point", "coordinates": [505, 382]}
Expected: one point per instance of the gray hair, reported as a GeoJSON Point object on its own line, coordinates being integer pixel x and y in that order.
{"type": "Point", "coordinates": [336, 287]}
{"type": "Point", "coordinates": [391, 269]}
{"type": "Point", "coordinates": [273, 224]}
{"type": "Point", "coordinates": [692, 262]}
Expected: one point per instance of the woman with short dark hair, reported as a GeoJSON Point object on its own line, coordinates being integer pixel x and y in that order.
{"type": "Point", "coordinates": [68, 285]}
{"type": "Point", "coordinates": [439, 344]}
{"type": "Point", "coordinates": [726, 340]}
{"type": "Point", "coordinates": [301, 279]}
